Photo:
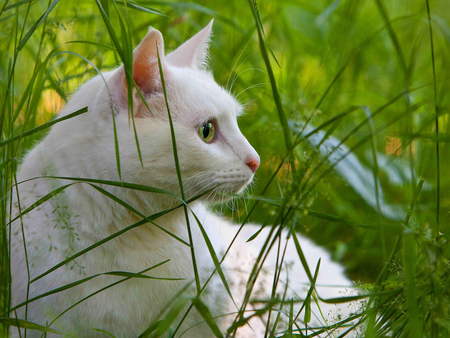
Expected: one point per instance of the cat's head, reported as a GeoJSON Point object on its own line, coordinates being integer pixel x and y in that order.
{"type": "Point", "coordinates": [211, 149]}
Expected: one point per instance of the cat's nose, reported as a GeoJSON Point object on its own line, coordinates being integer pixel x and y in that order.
{"type": "Point", "coordinates": [253, 163]}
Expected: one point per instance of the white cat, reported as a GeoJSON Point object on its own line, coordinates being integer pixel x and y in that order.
{"type": "Point", "coordinates": [212, 152]}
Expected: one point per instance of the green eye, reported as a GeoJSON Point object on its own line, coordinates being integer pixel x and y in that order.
{"type": "Point", "coordinates": [206, 131]}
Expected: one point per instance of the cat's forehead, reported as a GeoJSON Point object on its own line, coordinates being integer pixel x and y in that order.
{"type": "Point", "coordinates": [198, 97]}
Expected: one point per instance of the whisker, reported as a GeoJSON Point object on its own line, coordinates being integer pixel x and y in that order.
{"type": "Point", "coordinates": [257, 85]}
{"type": "Point", "coordinates": [199, 184]}
{"type": "Point", "coordinates": [236, 75]}
{"type": "Point", "coordinates": [246, 70]}
{"type": "Point", "coordinates": [251, 101]}
{"type": "Point", "coordinates": [237, 60]}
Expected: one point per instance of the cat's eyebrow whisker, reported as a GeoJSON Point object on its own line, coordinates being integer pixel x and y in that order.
{"type": "Point", "coordinates": [236, 75]}
{"type": "Point", "coordinates": [253, 68]}
{"type": "Point", "coordinates": [257, 85]}
{"type": "Point", "coordinates": [234, 66]}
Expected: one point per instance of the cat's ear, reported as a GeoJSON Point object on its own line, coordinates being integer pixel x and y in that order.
{"type": "Point", "coordinates": [194, 52]}
{"type": "Point", "coordinates": [145, 62]}
{"type": "Point", "coordinates": [145, 69]}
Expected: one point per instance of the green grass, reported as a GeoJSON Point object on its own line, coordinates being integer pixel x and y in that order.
{"type": "Point", "coordinates": [371, 77]}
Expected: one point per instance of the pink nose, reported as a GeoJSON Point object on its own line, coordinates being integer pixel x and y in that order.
{"type": "Point", "coordinates": [253, 163]}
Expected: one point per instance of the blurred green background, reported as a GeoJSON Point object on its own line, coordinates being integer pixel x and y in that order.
{"type": "Point", "coordinates": [364, 72]}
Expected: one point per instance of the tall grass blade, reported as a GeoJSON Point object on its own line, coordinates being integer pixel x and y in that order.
{"type": "Point", "coordinates": [137, 7]}
{"type": "Point", "coordinates": [409, 256]}
{"type": "Point", "coordinates": [438, 174]}
{"type": "Point", "coordinates": [214, 257]}
{"type": "Point", "coordinates": [43, 126]}
{"type": "Point", "coordinates": [27, 325]}
{"type": "Point", "coordinates": [105, 288]}
{"type": "Point", "coordinates": [206, 315]}
{"type": "Point", "coordinates": [180, 180]}
{"type": "Point", "coordinates": [105, 332]}
{"type": "Point", "coordinates": [276, 95]}
{"type": "Point", "coordinates": [164, 324]}
{"type": "Point", "coordinates": [36, 25]}
{"type": "Point", "coordinates": [136, 212]}
{"type": "Point", "coordinates": [14, 5]}
{"type": "Point", "coordinates": [84, 280]}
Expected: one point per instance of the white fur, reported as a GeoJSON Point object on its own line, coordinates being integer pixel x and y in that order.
{"type": "Point", "coordinates": [81, 216]}
{"type": "Point", "coordinates": [193, 53]}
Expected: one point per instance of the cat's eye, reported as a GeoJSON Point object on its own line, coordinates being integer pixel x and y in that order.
{"type": "Point", "coordinates": [206, 131]}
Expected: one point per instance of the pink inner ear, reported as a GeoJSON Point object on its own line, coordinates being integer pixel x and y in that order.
{"type": "Point", "coordinates": [145, 62]}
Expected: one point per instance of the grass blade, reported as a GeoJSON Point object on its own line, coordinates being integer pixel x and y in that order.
{"type": "Point", "coordinates": [180, 180]}
{"type": "Point", "coordinates": [204, 312]}
{"type": "Point", "coordinates": [84, 280]}
{"type": "Point", "coordinates": [163, 325]}
{"type": "Point", "coordinates": [214, 257]}
{"type": "Point", "coordinates": [276, 95]}
{"type": "Point", "coordinates": [133, 210]}
{"type": "Point", "coordinates": [44, 126]}
{"type": "Point", "coordinates": [105, 288]}
{"type": "Point", "coordinates": [27, 325]}
{"type": "Point", "coordinates": [141, 8]}
{"type": "Point", "coordinates": [36, 25]}
{"type": "Point", "coordinates": [409, 257]}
